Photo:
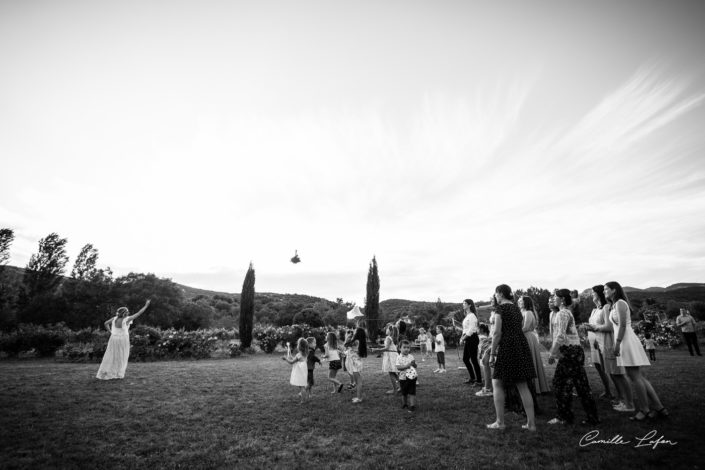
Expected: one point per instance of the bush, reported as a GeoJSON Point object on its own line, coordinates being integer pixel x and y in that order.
{"type": "Point", "coordinates": [44, 340]}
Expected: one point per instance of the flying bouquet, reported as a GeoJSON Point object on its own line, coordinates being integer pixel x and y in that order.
{"type": "Point", "coordinates": [295, 259]}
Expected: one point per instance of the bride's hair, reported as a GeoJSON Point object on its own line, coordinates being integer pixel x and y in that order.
{"type": "Point", "coordinates": [122, 311]}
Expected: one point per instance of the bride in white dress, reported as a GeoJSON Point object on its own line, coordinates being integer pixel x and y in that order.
{"type": "Point", "coordinates": [118, 350]}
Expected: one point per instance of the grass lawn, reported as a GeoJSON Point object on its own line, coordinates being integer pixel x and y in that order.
{"type": "Point", "coordinates": [242, 413]}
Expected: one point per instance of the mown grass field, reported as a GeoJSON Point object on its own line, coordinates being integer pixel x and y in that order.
{"type": "Point", "coordinates": [242, 413]}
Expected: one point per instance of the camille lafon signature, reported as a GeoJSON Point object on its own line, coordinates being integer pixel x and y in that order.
{"type": "Point", "coordinates": [649, 440]}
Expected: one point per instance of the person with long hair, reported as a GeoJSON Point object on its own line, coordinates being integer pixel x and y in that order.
{"type": "Point", "coordinates": [603, 330]}
{"type": "Point", "coordinates": [511, 358]}
{"type": "Point", "coordinates": [597, 347]}
{"type": "Point", "coordinates": [631, 355]}
{"type": "Point", "coordinates": [114, 363]}
{"type": "Point", "coordinates": [358, 352]}
{"type": "Point", "coordinates": [471, 340]}
{"type": "Point", "coordinates": [531, 321]}
{"type": "Point", "coordinates": [570, 370]}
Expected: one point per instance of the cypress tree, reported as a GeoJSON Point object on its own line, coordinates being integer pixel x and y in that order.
{"type": "Point", "coordinates": [247, 308]}
{"type": "Point", "coordinates": [372, 301]}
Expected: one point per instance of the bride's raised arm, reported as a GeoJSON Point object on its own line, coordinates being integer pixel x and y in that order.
{"type": "Point", "coordinates": [131, 318]}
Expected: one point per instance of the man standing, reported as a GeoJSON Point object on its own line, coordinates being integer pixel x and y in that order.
{"type": "Point", "coordinates": [687, 325]}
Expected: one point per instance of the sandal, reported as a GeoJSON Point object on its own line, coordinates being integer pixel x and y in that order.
{"type": "Point", "coordinates": [639, 416]}
{"type": "Point", "coordinates": [526, 426]}
{"type": "Point", "coordinates": [662, 413]}
{"type": "Point", "coordinates": [496, 425]}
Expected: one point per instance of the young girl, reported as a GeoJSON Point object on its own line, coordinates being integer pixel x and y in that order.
{"type": "Point", "coordinates": [429, 344]}
{"type": "Point", "coordinates": [347, 365]}
{"type": "Point", "coordinates": [650, 346]}
{"type": "Point", "coordinates": [299, 370]}
{"type": "Point", "coordinates": [311, 360]}
{"type": "Point", "coordinates": [440, 350]}
{"type": "Point", "coordinates": [358, 351]}
{"type": "Point", "coordinates": [483, 356]}
{"type": "Point", "coordinates": [407, 376]}
{"type": "Point", "coordinates": [423, 348]}
{"type": "Point", "coordinates": [332, 354]}
{"type": "Point", "coordinates": [389, 358]}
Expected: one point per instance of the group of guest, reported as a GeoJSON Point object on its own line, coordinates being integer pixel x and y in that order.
{"type": "Point", "coordinates": [514, 356]}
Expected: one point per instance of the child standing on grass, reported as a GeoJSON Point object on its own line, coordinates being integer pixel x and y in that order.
{"type": "Point", "coordinates": [332, 354]}
{"type": "Point", "coordinates": [298, 367]}
{"type": "Point", "coordinates": [440, 350]}
{"type": "Point", "coordinates": [407, 377]}
{"type": "Point", "coordinates": [389, 358]}
{"type": "Point", "coordinates": [358, 351]}
{"type": "Point", "coordinates": [429, 344]}
{"type": "Point", "coordinates": [311, 360]}
{"type": "Point", "coordinates": [483, 356]}
{"type": "Point", "coordinates": [423, 349]}
{"type": "Point", "coordinates": [347, 364]}
{"type": "Point", "coordinates": [650, 346]}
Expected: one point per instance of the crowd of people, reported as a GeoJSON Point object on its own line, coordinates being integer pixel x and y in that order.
{"type": "Point", "coordinates": [503, 356]}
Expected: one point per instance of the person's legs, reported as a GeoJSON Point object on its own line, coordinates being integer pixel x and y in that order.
{"type": "Point", "coordinates": [689, 342]}
{"type": "Point", "coordinates": [395, 381]}
{"type": "Point", "coordinates": [528, 401]}
{"type": "Point", "coordinates": [474, 341]}
{"type": "Point", "coordinates": [583, 387]}
{"type": "Point", "coordinates": [624, 387]}
{"type": "Point", "coordinates": [498, 401]}
{"type": "Point", "coordinates": [466, 360]}
{"type": "Point", "coordinates": [563, 390]}
{"type": "Point", "coordinates": [442, 360]}
{"type": "Point", "coordinates": [358, 385]}
{"type": "Point", "coordinates": [488, 370]}
{"type": "Point", "coordinates": [651, 394]}
{"type": "Point", "coordinates": [639, 388]}
{"type": "Point", "coordinates": [603, 377]}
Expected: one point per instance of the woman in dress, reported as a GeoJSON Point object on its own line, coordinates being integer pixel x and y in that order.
{"type": "Point", "coordinates": [631, 355]}
{"type": "Point", "coordinates": [511, 358]}
{"type": "Point", "coordinates": [570, 370]}
{"type": "Point", "coordinates": [531, 321]}
{"type": "Point", "coordinates": [597, 356]}
{"type": "Point", "coordinates": [603, 330]}
{"type": "Point", "coordinates": [117, 353]}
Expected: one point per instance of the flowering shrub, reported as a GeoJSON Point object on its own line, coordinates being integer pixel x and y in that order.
{"type": "Point", "coordinates": [269, 337]}
{"type": "Point", "coordinates": [664, 333]}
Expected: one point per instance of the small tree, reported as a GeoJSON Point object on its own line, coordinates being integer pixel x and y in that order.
{"type": "Point", "coordinates": [247, 308]}
{"type": "Point", "coordinates": [45, 268]}
{"type": "Point", "coordinates": [372, 301]}
{"type": "Point", "coordinates": [84, 266]}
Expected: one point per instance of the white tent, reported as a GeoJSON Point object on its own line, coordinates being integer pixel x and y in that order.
{"type": "Point", "coordinates": [355, 312]}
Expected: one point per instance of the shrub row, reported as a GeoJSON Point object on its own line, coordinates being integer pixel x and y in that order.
{"type": "Point", "coordinates": [146, 343]}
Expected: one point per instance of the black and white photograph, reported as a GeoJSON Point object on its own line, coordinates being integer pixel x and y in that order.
{"type": "Point", "coordinates": [352, 234]}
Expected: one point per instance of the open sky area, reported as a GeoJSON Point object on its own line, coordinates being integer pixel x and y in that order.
{"type": "Point", "coordinates": [464, 144]}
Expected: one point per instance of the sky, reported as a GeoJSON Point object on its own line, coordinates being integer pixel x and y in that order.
{"type": "Point", "coordinates": [463, 144]}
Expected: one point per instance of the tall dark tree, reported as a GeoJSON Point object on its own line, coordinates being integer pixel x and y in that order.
{"type": "Point", "coordinates": [45, 268]}
{"type": "Point", "coordinates": [38, 301]}
{"type": "Point", "coordinates": [372, 301]}
{"type": "Point", "coordinates": [7, 314]}
{"type": "Point", "coordinates": [247, 308]}
{"type": "Point", "coordinates": [84, 266]}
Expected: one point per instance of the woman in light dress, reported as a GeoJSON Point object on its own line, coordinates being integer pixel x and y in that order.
{"type": "Point", "coordinates": [117, 353]}
{"type": "Point", "coordinates": [526, 305]}
{"type": "Point", "coordinates": [603, 331]}
{"type": "Point", "coordinates": [631, 355]}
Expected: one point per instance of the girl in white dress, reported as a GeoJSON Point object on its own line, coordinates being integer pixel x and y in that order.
{"type": "Point", "coordinates": [389, 358]}
{"type": "Point", "coordinates": [299, 369]}
{"type": "Point", "coordinates": [117, 353]}
{"type": "Point", "coordinates": [631, 355]}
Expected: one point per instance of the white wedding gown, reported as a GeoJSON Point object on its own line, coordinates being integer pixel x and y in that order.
{"type": "Point", "coordinates": [116, 355]}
